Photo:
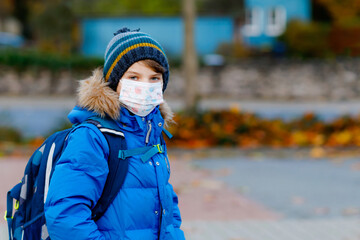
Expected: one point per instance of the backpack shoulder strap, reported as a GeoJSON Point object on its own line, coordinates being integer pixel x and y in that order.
{"type": "Point", "coordinates": [167, 133]}
{"type": "Point", "coordinates": [105, 125]}
{"type": "Point", "coordinates": [118, 162]}
{"type": "Point", "coordinates": [118, 168]}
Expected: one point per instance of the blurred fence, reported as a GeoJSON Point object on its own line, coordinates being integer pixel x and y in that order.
{"type": "Point", "coordinates": [248, 79]}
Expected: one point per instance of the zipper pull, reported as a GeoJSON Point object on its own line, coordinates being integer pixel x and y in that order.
{"type": "Point", "coordinates": [148, 132]}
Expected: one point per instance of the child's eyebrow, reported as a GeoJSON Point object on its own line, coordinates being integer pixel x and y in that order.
{"type": "Point", "coordinates": [130, 72]}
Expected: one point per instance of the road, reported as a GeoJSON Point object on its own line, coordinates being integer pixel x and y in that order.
{"type": "Point", "coordinates": [39, 116]}
{"type": "Point", "coordinates": [228, 195]}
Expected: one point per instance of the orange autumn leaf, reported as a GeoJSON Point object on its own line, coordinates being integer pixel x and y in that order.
{"type": "Point", "coordinates": [343, 138]}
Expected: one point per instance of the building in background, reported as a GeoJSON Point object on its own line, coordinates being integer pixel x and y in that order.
{"type": "Point", "coordinates": [169, 31]}
{"type": "Point", "coordinates": [263, 21]}
{"type": "Point", "coordinates": [266, 19]}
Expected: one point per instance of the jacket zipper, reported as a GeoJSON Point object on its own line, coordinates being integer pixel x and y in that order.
{"type": "Point", "coordinates": [148, 132]}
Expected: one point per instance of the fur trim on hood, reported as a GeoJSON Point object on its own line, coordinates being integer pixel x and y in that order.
{"type": "Point", "coordinates": [95, 95]}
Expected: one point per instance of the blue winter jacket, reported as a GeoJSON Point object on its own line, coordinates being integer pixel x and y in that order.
{"type": "Point", "coordinates": [146, 207]}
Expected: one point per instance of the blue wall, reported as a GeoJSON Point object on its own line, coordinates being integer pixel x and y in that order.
{"type": "Point", "coordinates": [209, 33]}
{"type": "Point", "coordinates": [295, 9]}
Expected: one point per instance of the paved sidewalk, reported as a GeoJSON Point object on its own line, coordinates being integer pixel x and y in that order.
{"type": "Point", "coordinates": [333, 229]}
{"type": "Point", "coordinates": [3, 231]}
{"type": "Point", "coordinates": [213, 211]}
{"type": "Point", "coordinates": [202, 197]}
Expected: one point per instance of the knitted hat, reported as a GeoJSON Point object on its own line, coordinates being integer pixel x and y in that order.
{"type": "Point", "coordinates": [128, 47]}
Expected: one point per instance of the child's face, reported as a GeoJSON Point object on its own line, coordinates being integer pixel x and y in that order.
{"type": "Point", "coordinates": [141, 73]}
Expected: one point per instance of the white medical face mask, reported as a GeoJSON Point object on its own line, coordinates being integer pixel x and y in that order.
{"type": "Point", "coordinates": [139, 97]}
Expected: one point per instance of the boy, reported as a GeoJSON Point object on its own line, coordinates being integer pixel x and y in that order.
{"type": "Point", "coordinates": [129, 90]}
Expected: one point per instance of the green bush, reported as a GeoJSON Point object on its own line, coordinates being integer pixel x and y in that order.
{"type": "Point", "coordinates": [307, 39]}
{"type": "Point", "coordinates": [9, 134]}
{"type": "Point", "coordinates": [233, 50]}
{"type": "Point", "coordinates": [62, 125]}
{"type": "Point", "coordinates": [22, 59]}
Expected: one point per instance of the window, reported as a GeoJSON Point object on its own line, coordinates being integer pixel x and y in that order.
{"type": "Point", "coordinates": [253, 22]}
{"type": "Point", "coordinates": [276, 21]}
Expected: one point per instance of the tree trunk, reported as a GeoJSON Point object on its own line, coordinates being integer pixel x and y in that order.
{"type": "Point", "coordinates": [190, 62]}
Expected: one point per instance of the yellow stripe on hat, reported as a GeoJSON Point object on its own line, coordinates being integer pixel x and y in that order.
{"type": "Point", "coordinates": [127, 50]}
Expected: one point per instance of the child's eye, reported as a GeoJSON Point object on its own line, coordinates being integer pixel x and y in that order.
{"type": "Point", "coordinates": [133, 78]}
{"type": "Point", "coordinates": [155, 78]}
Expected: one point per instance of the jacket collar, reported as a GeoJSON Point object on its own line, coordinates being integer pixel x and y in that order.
{"type": "Point", "coordinates": [132, 122]}
{"type": "Point", "coordinates": [95, 95]}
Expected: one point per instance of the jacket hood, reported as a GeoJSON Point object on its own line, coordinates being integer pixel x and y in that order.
{"type": "Point", "coordinates": [95, 95]}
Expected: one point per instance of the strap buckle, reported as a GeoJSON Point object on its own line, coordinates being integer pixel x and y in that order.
{"type": "Point", "coordinates": [6, 217]}
{"type": "Point", "coordinates": [159, 147]}
{"type": "Point", "coordinates": [122, 154]}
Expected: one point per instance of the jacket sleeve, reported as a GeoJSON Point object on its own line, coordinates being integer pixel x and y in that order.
{"type": "Point", "coordinates": [176, 216]}
{"type": "Point", "coordinates": [76, 186]}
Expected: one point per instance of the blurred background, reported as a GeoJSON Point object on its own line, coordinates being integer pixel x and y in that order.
{"type": "Point", "coordinates": [266, 95]}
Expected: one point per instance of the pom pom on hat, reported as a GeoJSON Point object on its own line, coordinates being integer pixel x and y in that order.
{"type": "Point", "coordinates": [124, 30]}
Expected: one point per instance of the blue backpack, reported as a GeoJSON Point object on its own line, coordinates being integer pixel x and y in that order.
{"type": "Point", "coordinates": [28, 221]}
